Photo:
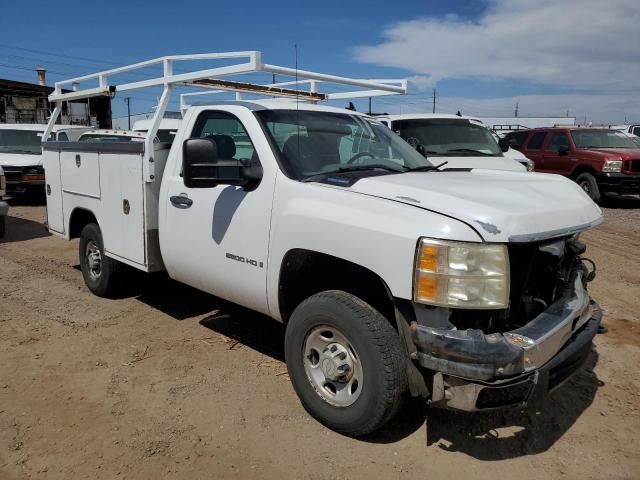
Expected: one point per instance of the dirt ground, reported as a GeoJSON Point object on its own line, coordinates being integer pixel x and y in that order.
{"type": "Point", "coordinates": [166, 382]}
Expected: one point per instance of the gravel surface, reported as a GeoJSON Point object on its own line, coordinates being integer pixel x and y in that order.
{"type": "Point", "coordinates": [167, 382]}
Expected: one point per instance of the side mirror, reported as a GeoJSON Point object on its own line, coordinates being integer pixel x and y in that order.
{"type": "Point", "coordinates": [563, 150]}
{"type": "Point", "coordinates": [504, 144]}
{"type": "Point", "coordinates": [203, 169]}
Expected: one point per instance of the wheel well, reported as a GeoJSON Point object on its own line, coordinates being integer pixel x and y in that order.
{"type": "Point", "coordinates": [79, 218]}
{"type": "Point", "coordinates": [304, 273]}
{"type": "Point", "coordinates": [582, 169]}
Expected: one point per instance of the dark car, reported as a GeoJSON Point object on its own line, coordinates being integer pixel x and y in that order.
{"type": "Point", "coordinates": [600, 160]}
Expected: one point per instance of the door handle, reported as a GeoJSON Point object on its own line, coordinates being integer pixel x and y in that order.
{"type": "Point", "coordinates": [180, 201]}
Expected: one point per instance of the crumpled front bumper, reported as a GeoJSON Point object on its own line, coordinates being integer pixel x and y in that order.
{"type": "Point", "coordinates": [477, 371]}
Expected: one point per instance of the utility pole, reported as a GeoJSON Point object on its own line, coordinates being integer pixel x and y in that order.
{"type": "Point", "coordinates": [127, 100]}
{"type": "Point", "coordinates": [515, 114]}
{"type": "Point", "coordinates": [434, 100]}
{"type": "Point", "coordinates": [369, 105]}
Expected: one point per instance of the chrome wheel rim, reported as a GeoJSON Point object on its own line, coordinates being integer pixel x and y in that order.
{"type": "Point", "coordinates": [332, 366]}
{"type": "Point", "coordinates": [94, 260]}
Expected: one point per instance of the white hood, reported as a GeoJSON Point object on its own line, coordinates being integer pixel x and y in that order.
{"type": "Point", "coordinates": [501, 206]}
{"type": "Point", "coordinates": [485, 163]}
{"type": "Point", "coordinates": [20, 159]}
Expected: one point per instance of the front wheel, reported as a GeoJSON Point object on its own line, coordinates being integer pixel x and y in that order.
{"type": "Point", "coordinates": [590, 186]}
{"type": "Point", "coordinates": [346, 362]}
{"type": "Point", "coordinates": [98, 270]}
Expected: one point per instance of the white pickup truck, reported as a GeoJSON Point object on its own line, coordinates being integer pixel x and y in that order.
{"type": "Point", "coordinates": [460, 141]}
{"type": "Point", "coordinates": [21, 153]}
{"type": "Point", "coordinates": [465, 287]}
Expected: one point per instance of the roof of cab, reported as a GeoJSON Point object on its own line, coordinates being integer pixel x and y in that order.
{"type": "Point", "coordinates": [421, 116]}
{"type": "Point", "coordinates": [165, 123]}
{"type": "Point", "coordinates": [279, 104]}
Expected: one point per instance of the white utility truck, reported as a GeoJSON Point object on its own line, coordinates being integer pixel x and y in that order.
{"type": "Point", "coordinates": [21, 153]}
{"type": "Point", "coordinates": [391, 275]}
{"type": "Point", "coordinates": [460, 141]}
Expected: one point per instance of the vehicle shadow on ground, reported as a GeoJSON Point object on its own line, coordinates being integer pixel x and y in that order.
{"type": "Point", "coordinates": [515, 433]}
{"type": "Point", "coordinates": [497, 435]}
{"type": "Point", "coordinates": [621, 202]}
{"type": "Point", "coordinates": [158, 291]}
{"type": "Point", "coordinates": [21, 229]}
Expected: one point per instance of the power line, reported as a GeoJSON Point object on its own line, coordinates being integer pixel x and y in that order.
{"type": "Point", "coordinates": [43, 52]}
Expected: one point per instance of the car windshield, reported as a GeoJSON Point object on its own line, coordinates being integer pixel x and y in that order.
{"type": "Point", "coordinates": [314, 142]}
{"type": "Point", "coordinates": [109, 138]}
{"type": "Point", "coordinates": [21, 141]}
{"type": "Point", "coordinates": [448, 137]}
{"type": "Point", "coordinates": [601, 139]}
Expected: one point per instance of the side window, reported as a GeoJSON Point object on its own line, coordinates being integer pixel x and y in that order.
{"type": "Point", "coordinates": [62, 137]}
{"type": "Point", "coordinates": [516, 139]}
{"type": "Point", "coordinates": [535, 142]}
{"type": "Point", "coordinates": [636, 131]}
{"type": "Point", "coordinates": [229, 134]}
{"type": "Point", "coordinates": [558, 139]}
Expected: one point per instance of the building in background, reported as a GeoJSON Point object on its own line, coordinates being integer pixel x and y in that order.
{"type": "Point", "coordinates": [23, 102]}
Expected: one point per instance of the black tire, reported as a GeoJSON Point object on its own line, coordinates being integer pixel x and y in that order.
{"type": "Point", "coordinates": [3, 225]}
{"type": "Point", "coordinates": [589, 184]}
{"type": "Point", "coordinates": [380, 353]}
{"type": "Point", "coordinates": [101, 284]}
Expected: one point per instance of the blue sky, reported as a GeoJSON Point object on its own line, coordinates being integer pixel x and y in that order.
{"type": "Point", "coordinates": [482, 56]}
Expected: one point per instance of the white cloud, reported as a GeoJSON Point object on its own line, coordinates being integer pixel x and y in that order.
{"type": "Point", "coordinates": [581, 46]}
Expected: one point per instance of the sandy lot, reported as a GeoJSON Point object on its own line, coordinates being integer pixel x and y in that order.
{"type": "Point", "coordinates": [166, 382]}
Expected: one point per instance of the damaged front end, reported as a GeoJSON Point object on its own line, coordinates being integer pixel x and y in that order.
{"type": "Point", "coordinates": [482, 359]}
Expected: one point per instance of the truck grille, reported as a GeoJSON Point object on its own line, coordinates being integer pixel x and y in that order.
{"type": "Point", "coordinates": [633, 166]}
{"type": "Point", "coordinates": [12, 174]}
{"type": "Point", "coordinates": [538, 272]}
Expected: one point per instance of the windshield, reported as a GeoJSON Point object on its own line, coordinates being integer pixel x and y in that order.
{"type": "Point", "coordinates": [448, 137]}
{"type": "Point", "coordinates": [312, 142]}
{"type": "Point", "coordinates": [109, 138]}
{"type": "Point", "coordinates": [21, 141]}
{"type": "Point", "coordinates": [601, 139]}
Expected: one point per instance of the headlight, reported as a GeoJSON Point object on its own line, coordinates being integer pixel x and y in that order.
{"type": "Point", "coordinates": [461, 275]}
{"type": "Point", "coordinates": [530, 165]}
{"type": "Point", "coordinates": [612, 166]}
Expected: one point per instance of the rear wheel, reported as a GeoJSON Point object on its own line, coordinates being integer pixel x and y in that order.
{"type": "Point", "coordinates": [98, 270]}
{"type": "Point", "coordinates": [589, 184]}
{"type": "Point", "coordinates": [346, 362]}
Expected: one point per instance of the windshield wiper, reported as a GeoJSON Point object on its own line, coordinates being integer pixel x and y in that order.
{"type": "Point", "coordinates": [471, 150]}
{"type": "Point", "coordinates": [353, 168]}
{"type": "Point", "coordinates": [427, 168]}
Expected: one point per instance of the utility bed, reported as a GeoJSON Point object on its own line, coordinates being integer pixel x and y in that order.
{"type": "Point", "coordinates": [108, 180]}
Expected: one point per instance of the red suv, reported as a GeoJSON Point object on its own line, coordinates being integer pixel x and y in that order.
{"type": "Point", "coordinates": [599, 160]}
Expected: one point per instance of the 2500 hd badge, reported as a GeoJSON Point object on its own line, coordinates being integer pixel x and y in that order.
{"type": "Point", "coordinates": [240, 259]}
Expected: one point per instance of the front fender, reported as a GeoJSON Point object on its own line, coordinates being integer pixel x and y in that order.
{"type": "Point", "coordinates": [378, 234]}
